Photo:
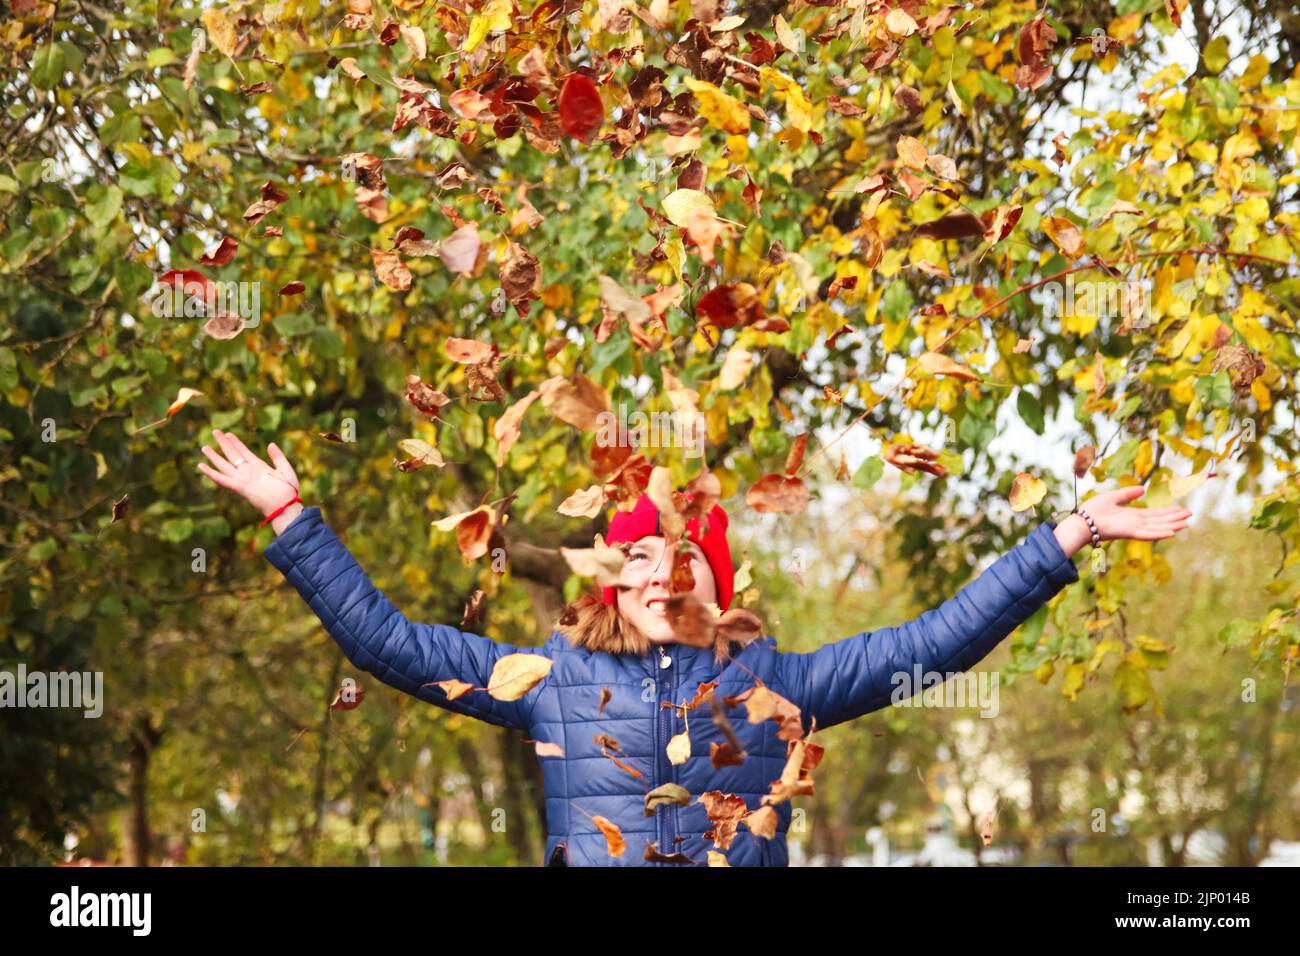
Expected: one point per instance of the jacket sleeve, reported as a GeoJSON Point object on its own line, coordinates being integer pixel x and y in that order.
{"type": "Point", "coordinates": [856, 675]}
{"type": "Point", "coordinates": [378, 638]}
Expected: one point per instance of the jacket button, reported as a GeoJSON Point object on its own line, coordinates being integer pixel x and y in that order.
{"type": "Point", "coordinates": [665, 661]}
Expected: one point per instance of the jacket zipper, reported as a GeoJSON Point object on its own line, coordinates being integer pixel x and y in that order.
{"type": "Point", "coordinates": [664, 718]}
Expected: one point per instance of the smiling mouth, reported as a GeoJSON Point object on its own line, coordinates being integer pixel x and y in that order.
{"type": "Point", "coordinates": [657, 606]}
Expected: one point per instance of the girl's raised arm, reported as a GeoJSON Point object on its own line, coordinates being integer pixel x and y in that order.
{"type": "Point", "coordinates": [859, 674]}
{"type": "Point", "coordinates": [373, 634]}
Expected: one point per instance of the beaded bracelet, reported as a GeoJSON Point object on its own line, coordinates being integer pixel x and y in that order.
{"type": "Point", "coordinates": [1092, 526]}
{"type": "Point", "coordinates": [277, 511]}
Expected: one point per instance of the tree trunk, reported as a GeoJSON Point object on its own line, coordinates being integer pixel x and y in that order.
{"type": "Point", "coordinates": [138, 843]}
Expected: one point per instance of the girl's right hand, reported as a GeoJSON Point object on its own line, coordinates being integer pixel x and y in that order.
{"type": "Point", "coordinates": [265, 487]}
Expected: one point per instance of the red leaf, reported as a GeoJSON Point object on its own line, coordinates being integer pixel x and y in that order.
{"type": "Point", "coordinates": [221, 253]}
{"type": "Point", "coordinates": [581, 111]}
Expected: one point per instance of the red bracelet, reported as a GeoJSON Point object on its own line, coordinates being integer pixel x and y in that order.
{"type": "Point", "coordinates": [277, 511]}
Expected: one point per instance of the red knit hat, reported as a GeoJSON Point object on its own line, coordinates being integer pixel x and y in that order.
{"type": "Point", "coordinates": [643, 520]}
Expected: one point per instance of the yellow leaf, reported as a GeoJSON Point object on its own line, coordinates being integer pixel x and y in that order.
{"type": "Point", "coordinates": [1075, 675]}
{"type": "Point", "coordinates": [900, 23]}
{"type": "Point", "coordinates": [478, 31]}
{"type": "Point", "coordinates": [680, 204]}
{"type": "Point", "coordinates": [1026, 491]}
{"type": "Point", "coordinates": [912, 152]}
{"type": "Point", "coordinates": [1180, 485]}
{"type": "Point", "coordinates": [722, 110]}
{"type": "Point", "coordinates": [679, 749]}
{"type": "Point", "coordinates": [221, 30]}
{"type": "Point", "coordinates": [516, 674]}
{"type": "Point", "coordinates": [797, 107]}
{"type": "Point", "coordinates": [936, 363]}
{"type": "Point", "coordinates": [182, 399]}
{"type": "Point", "coordinates": [1065, 234]}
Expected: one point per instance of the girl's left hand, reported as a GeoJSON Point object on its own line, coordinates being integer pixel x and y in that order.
{"type": "Point", "coordinates": [1114, 520]}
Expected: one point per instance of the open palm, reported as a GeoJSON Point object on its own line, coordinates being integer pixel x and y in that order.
{"type": "Point", "coordinates": [265, 487]}
{"type": "Point", "coordinates": [1115, 519]}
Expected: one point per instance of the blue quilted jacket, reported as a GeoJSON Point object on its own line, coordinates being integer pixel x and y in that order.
{"type": "Point", "coordinates": [835, 683]}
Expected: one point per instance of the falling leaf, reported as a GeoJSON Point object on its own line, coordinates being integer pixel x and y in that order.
{"type": "Point", "coordinates": [469, 351]}
{"type": "Point", "coordinates": [514, 675]}
{"type": "Point", "coordinates": [423, 397]}
{"type": "Point", "coordinates": [762, 704]}
{"type": "Point", "coordinates": [415, 41]}
{"type": "Point", "coordinates": [910, 457]}
{"type": "Point", "coordinates": [183, 397]}
{"type": "Point", "coordinates": [679, 748]}
{"type": "Point", "coordinates": [292, 288]}
{"type": "Point", "coordinates": [762, 822]}
{"type": "Point", "coordinates": [584, 503]}
{"type": "Point", "coordinates": [460, 251]}
{"type": "Point", "coordinates": [957, 225]}
{"type": "Point", "coordinates": [1180, 485]}
{"type": "Point", "coordinates": [421, 454]}
{"type": "Point", "coordinates": [785, 36]}
{"type": "Point", "coordinates": [220, 29]}
{"type": "Point", "coordinates": [900, 23]}
{"type": "Point", "coordinates": [999, 222]}
{"type": "Point", "coordinates": [1037, 39]}
{"type": "Point", "coordinates": [613, 835]}
{"type": "Point", "coordinates": [652, 855]}
{"type": "Point", "coordinates": [348, 697]}
{"type": "Point", "coordinates": [730, 305]}
{"type": "Point", "coordinates": [668, 794]}
{"type": "Point", "coordinates": [1026, 491]}
{"type": "Point", "coordinates": [220, 253]}
{"type": "Point", "coordinates": [725, 811]}
{"type": "Point", "coordinates": [986, 827]}
{"type": "Point", "coordinates": [721, 110]}
{"type": "Point", "coordinates": [349, 66]}
{"type": "Point", "coordinates": [391, 270]}
{"type": "Point", "coordinates": [911, 151]}
{"type": "Point", "coordinates": [936, 363]}
{"type": "Point", "coordinates": [735, 368]}
{"type": "Point", "coordinates": [577, 400]}
{"type": "Point", "coordinates": [581, 110]}
{"type": "Point", "coordinates": [778, 493]}
{"type": "Point", "coordinates": [680, 204]}
{"type": "Point", "coordinates": [802, 757]}
{"type": "Point", "coordinates": [507, 427]}
{"type": "Point", "coordinates": [602, 562]}
{"type": "Point", "coordinates": [452, 688]}
{"type": "Point", "coordinates": [1065, 234]}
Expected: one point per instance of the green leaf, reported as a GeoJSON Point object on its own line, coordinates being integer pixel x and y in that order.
{"type": "Point", "coordinates": [176, 530]}
{"type": "Point", "coordinates": [1031, 411]}
{"type": "Point", "coordinates": [868, 472]}
{"type": "Point", "coordinates": [103, 209]}
{"type": "Point", "coordinates": [47, 66]}
{"type": "Point", "coordinates": [1215, 390]}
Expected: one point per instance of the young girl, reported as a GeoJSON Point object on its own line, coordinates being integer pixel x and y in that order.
{"type": "Point", "coordinates": [621, 686]}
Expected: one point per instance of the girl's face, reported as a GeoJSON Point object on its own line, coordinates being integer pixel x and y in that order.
{"type": "Point", "coordinates": [645, 586]}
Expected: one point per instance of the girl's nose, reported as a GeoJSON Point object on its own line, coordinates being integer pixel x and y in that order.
{"type": "Point", "coordinates": [663, 569]}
